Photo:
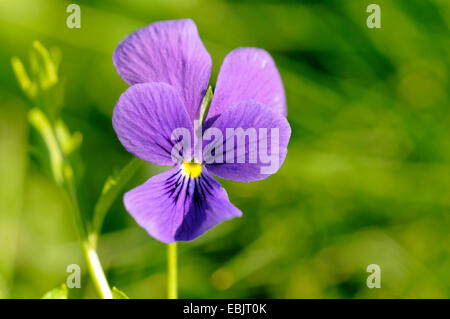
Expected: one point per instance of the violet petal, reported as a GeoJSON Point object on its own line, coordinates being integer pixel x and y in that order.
{"type": "Point", "coordinates": [258, 118]}
{"type": "Point", "coordinates": [145, 117]}
{"type": "Point", "coordinates": [248, 73]}
{"type": "Point", "coordinates": [173, 207]}
{"type": "Point", "coordinates": [170, 52]}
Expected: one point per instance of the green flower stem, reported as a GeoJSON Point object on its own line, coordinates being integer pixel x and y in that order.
{"type": "Point", "coordinates": [88, 243]}
{"type": "Point", "coordinates": [40, 122]}
{"type": "Point", "coordinates": [172, 273]}
{"type": "Point", "coordinates": [63, 174]}
{"type": "Point", "coordinates": [69, 186]}
{"type": "Point", "coordinates": [111, 190]}
{"type": "Point", "coordinates": [96, 271]}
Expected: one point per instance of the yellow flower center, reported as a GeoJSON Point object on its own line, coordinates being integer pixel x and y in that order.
{"type": "Point", "coordinates": [191, 169]}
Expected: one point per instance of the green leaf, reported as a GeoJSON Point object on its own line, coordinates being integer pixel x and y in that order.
{"type": "Point", "coordinates": [118, 294]}
{"type": "Point", "coordinates": [112, 188]}
{"type": "Point", "coordinates": [60, 292]}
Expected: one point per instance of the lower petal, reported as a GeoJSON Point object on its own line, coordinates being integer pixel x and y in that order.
{"type": "Point", "coordinates": [174, 207]}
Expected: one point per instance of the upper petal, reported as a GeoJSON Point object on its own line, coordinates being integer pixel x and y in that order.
{"type": "Point", "coordinates": [173, 207]}
{"type": "Point", "coordinates": [248, 73]}
{"type": "Point", "coordinates": [145, 117]}
{"type": "Point", "coordinates": [253, 143]}
{"type": "Point", "coordinates": [170, 52]}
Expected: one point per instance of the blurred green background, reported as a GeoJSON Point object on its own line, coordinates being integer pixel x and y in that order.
{"type": "Point", "coordinates": [366, 179]}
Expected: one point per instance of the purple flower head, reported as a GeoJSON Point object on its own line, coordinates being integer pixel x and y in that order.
{"type": "Point", "coordinates": [168, 69]}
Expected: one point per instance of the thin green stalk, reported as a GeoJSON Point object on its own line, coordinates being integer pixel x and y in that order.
{"type": "Point", "coordinates": [88, 243]}
{"type": "Point", "coordinates": [172, 272]}
{"type": "Point", "coordinates": [96, 271]}
{"type": "Point", "coordinates": [45, 76]}
{"type": "Point", "coordinates": [111, 190]}
{"type": "Point", "coordinates": [76, 213]}
{"type": "Point", "coordinates": [63, 173]}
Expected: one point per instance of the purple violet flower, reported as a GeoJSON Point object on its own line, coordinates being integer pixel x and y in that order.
{"type": "Point", "coordinates": [168, 69]}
